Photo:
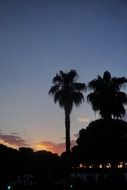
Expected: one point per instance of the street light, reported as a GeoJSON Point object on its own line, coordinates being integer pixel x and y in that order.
{"type": "Point", "coordinates": [8, 187]}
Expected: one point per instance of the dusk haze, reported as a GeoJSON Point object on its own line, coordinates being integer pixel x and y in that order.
{"type": "Point", "coordinates": [40, 38]}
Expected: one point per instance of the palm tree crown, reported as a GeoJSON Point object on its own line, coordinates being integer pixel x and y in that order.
{"type": "Point", "coordinates": [67, 92]}
{"type": "Point", "coordinates": [106, 96]}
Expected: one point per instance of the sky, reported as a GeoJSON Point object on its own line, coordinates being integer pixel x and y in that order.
{"type": "Point", "coordinates": [38, 38]}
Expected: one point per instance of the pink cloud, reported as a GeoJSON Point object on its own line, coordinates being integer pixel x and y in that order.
{"type": "Point", "coordinates": [13, 140]}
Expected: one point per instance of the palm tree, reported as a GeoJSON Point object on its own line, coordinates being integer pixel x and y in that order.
{"type": "Point", "coordinates": [107, 97]}
{"type": "Point", "coordinates": [67, 92]}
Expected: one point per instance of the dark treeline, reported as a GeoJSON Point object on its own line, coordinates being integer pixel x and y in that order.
{"type": "Point", "coordinates": [24, 168]}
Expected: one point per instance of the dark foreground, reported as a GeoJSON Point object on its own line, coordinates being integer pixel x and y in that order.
{"type": "Point", "coordinates": [77, 180]}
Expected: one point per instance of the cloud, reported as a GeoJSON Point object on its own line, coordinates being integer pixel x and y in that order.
{"type": "Point", "coordinates": [13, 133]}
{"type": "Point", "coordinates": [50, 146]}
{"type": "Point", "coordinates": [12, 140]}
{"type": "Point", "coordinates": [53, 147]}
{"type": "Point", "coordinates": [83, 120]}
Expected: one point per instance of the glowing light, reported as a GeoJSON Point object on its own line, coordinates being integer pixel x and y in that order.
{"type": "Point", "coordinates": [120, 165]}
{"type": "Point", "coordinates": [108, 165]}
{"type": "Point", "coordinates": [8, 187]}
{"type": "Point", "coordinates": [71, 186]}
{"type": "Point", "coordinates": [82, 166]}
{"type": "Point", "coordinates": [100, 166]}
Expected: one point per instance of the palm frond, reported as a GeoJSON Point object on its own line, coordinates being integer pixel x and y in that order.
{"type": "Point", "coordinates": [107, 76]}
{"type": "Point", "coordinates": [72, 75]}
{"type": "Point", "coordinates": [53, 89]}
{"type": "Point", "coordinates": [78, 98]}
{"type": "Point", "coordinates": [119, 82]}
{"type": "Point", "coordinates": [58, 96]}
{"type": "Point", "coordinates": [106, 96]}
{"type": "Point", "coordinates": [79, 86]}
{"type": "Point", "coordinates": [66, 90]}
{"type": "Point", "coordinates": [57, 79]}
{"type": "Point", "coordinates": [95, 84]}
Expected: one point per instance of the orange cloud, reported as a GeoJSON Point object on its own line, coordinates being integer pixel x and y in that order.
{"type": "Point", "coordinates": [15, 141]}
{"type": "Point", "coordinates": [53, 147]}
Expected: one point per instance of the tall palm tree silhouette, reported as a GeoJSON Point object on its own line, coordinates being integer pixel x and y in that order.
{"type": "Point", "coordinates": [67, 92]}
{"type": "Point", "coordinates": [107, 97]}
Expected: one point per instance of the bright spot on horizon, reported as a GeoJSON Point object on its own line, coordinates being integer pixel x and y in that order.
{"type": "Point", "coordinates": [39, 147]}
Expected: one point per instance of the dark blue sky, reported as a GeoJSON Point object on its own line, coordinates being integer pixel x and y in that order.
{"type": "Point", "coordinates": [40, 37]}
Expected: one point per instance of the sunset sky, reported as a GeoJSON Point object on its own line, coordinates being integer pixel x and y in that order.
{"type": "Point", "coordinates": [38, 38]}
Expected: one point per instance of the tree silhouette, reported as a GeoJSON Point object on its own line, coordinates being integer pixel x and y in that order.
{"type": "Point", "coordinates": [94, 146]}
{"type": "Point", "coordinates": [18, 166]}
{"type": "Point", "coordinates": [107, 97]}
{"type": "Point", "coordinates": [67, 92]}
{"type": "Point", "coordinates": [104, 140]}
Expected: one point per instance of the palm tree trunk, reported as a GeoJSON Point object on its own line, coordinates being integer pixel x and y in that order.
{"type": "Point", "coordinates": [67, 131]}
{"type": "Point", "coordinates": [68, 144]}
